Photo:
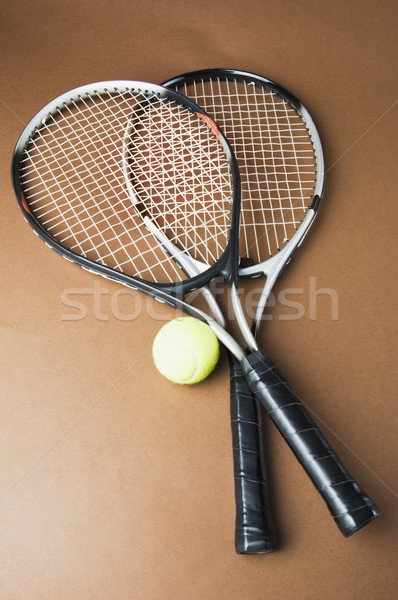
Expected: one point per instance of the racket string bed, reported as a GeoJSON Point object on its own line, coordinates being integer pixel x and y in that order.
{"type": "Point", "coordinates": [275, 154]}
{"type": "Point", "coordinates": [76, 188]}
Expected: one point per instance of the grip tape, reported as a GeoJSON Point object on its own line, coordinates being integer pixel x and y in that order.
{"type": "Point", "coordinates": [349, 505]}
{"type": "Point", "coordinates": [254, 532]}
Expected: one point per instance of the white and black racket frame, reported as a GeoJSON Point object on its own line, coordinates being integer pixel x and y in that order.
{"type": "Point", "coordinates": [172, 294]}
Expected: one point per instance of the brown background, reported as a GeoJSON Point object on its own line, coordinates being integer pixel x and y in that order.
{"type": "Point", "coordinates": [117, 485]}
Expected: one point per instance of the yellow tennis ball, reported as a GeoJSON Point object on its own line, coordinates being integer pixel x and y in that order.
{"type": "Point", "coordinates": [185, 350]}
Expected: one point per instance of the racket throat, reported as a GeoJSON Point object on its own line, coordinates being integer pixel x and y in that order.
{"type": "Point", "coordinates": [223, 336]}
{"type": "Point", "coordinates": [274, 266]}
{"type": "Point", "coordinates": [242, 321]}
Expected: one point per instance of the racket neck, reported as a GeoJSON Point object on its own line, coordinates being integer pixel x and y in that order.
{"type": "Point", "coordinates": [241, 319]}
{"type": "Point", "coordinates": [274, 266]}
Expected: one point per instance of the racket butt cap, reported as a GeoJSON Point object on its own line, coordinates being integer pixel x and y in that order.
{"type": "Point", "coordinates": [351, 522]}
{"type": "Point", "coordinates": [256, 544]}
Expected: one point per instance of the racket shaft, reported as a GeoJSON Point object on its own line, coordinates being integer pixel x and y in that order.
{"type": "Point", "coordinates": [254, 532]}
{"type": "Point", "coordinates": [349, 505]}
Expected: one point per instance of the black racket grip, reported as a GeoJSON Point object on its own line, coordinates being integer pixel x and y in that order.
{"type": "Point", "coordinates": [254, 532]}
{"type": "Point", "coordinates": [348, 504]}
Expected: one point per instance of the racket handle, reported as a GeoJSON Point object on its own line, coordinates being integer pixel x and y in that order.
{"type": "Point", "coordinates": [348, 504]}
{"type": "Point", "coordinates": [254, 532]}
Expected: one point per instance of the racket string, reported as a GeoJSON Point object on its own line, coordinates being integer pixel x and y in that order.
{"type": "Point", "coordinates": [89, 185]}
{"type": "Point", "coordinates": [75, 185]}
{"type": "Point", "coordinates": [156, 185]}
{"type": "Point", "coordinates": [275, 154]}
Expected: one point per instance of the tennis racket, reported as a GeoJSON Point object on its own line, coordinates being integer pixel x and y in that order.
{"type": "Point", "coordinates": [69, 175]}
{"type": "Point", "coordinates": [280, 159]}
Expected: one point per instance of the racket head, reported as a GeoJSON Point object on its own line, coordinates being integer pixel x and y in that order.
{"type": "Point", "coordinates": [279, 154]}
{"type": "Point", "coordinates": [69, 178]}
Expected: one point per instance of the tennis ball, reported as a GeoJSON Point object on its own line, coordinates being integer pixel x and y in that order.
{"type": "Point", "coordinates": [185, 350]}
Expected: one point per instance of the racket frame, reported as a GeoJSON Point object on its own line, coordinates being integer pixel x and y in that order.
{"type": "Point", "coordinates": [172, 294]}
{"type": "Point", "coordinates": [251, 537]}
{"type": "Point", "coordinates": [169, 293]}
